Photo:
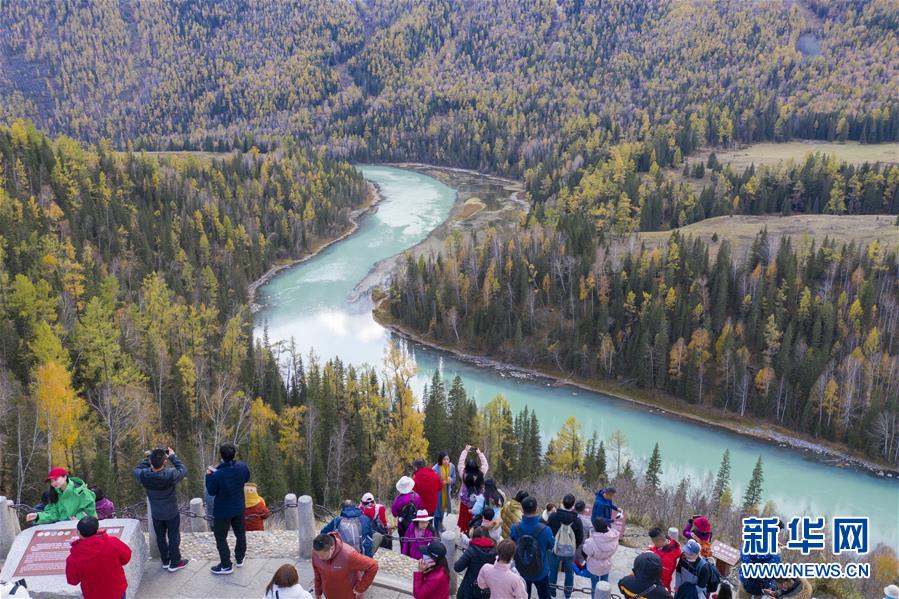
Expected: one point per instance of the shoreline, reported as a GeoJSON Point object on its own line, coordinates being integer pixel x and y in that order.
{"type": "Point", "coordinates": [758, 430]}
{"type": "Point", "coordinates": [368, 207]}
{"type": "Point", "coordinates": [812, 449]}
{"type": "Point", "coordinates": [380, 272]}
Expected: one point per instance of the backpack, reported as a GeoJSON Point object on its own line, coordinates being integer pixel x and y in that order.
{"type": "Point", "coordinates": [565, 542]}
{"type": "Point", "coordinates": [350, 530]}
{"type": "Point", "coordinates": [529, 555]}
{"type": "Point", "coordinates": [714, 578]}
{"type": "Point", "coordinates": [406, 516]}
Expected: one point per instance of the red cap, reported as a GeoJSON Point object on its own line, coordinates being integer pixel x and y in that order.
{"type": "Point", "coordinates": [702, 525]}
{"type": "Point", "coordinates": [56, 473]}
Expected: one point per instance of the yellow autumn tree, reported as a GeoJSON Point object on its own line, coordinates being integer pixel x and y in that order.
{"type": "Point", "coordinates": [59, 409]}
{"type": "Point", "coordinates": [677, 357]}
{"type": "Point", "coordinates": [405, 439]}
{"type": "Point", "coordinates": [565, 454]}
{"type": "Point", "coordinates": [262, 421]}
{"type": "Point", "coordinates": [290, 433]}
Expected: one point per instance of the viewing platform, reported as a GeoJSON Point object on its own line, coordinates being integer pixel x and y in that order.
{"type": "Point", "coordinates": [292, 527]}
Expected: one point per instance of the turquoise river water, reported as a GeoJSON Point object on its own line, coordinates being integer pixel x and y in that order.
{"type": "Point", "coordinates": [310, 303]}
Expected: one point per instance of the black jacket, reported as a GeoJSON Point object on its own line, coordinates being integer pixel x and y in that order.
{"type": "Point", "coordinates": [226, 485]}
{"type": "Point", "coordinates": [562, 516]}
{"type": "Point", "coordinates": [646, 576]}
{"type": "Point", "coordinates": [471, 561]}
{"type": "Point", "coordinates": [160, 486]}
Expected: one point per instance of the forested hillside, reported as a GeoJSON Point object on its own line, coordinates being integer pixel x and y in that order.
{"type": "Point", "coordinates": [123, 289]}
{"type": "Point", "coordinates": [805, 337]}
{"type": "Point", "coordinates": [534, 89]}
{"type": "Point", "coordinates": [123, 275]}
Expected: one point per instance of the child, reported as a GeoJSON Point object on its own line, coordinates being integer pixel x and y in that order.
{"type": "Point", "coordinates": [255, 510]}
{"type": "Point", "coordinates": [493, 524]}
{"type": "Point", "coordinates": [105, 507]}
{"type": "Point", "coordinates": [420, 534]}
{"type": "Point", "coordinates": [599, 549]}
{"type": "Point", "coordinates": [285, 584]}
{"type": "Point", "coordinates": [550, 508]}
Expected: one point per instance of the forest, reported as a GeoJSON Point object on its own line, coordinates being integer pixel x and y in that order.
{"type": "Point", "coordinates": [124, 262]}
{"type": "Point", "coordinates": [534, 89]}
{"type": "Point", "coordinates": [798, 335]}
{"type": "Point", "coordinates": [123, 295]}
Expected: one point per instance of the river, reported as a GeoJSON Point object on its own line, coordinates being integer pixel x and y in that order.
{"type": "Point", "coordinates": [310, 304]}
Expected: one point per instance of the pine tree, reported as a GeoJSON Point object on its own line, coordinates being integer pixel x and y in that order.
{"type": "Point", "coordinates": [753, 495]}
{"type": "Point", "coordinates": [722, 480]}
{"type": "Point", "coordinates": [595, 463]}
{"type": "Point", "coordinates": [436, 416]}
{"type": "Point", "coordinates": [654, 471]}
{"type": "Point", "coordinates": [460, 418]}
{"type": "Point", "coordinates": [530, 458]}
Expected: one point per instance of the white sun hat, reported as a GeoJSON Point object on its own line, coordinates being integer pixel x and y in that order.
{"type": "Point", "coordinates": [422, 516]}
{"type": "Point", "coordinates": [405, 485]}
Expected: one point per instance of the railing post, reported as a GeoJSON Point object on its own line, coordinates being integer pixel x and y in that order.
{"type": "Point", "coordinates": [603, 590]}
{"type": "Point", "coordinates": [198, 521]}
{"type": "Point", "coordinates": [305, 526]}
{"type": "Point", "coordinates": [291, 512]}
{"type": "Point", "coordinates": [154, 547]}
{"type": "Point", "coordinates": [9, 526]}
{"type": "Point", "coordinates": [449, 538]}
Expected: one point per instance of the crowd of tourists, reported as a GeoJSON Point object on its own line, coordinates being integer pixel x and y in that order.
{"type": "Point", "coordinates": [508, 548]}
{"type": "Point", "coordinates": [513, 547]}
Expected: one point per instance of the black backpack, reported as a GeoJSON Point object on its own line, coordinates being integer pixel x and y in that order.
{"type": "Point", "coordinates": [406, 517]}
{"type": "Point", "coordinates": [529, 555]}
{"type": "Point", "coordinates": [714, 577]}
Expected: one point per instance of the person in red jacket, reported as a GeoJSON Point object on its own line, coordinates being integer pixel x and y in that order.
{"type": "Point", "coordinates": [668, 551]}
{"type": "Point", "coordinates": [431, 581]}
{"type": "Point", "coordinates": [428, 485]}
{"type": "Point", "coordinates": [95, 562]}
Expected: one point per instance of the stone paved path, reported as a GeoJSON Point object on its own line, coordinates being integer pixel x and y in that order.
{"type": "Point", "coordinates": [270, 549]}
{"type": "Point", "coordinates": [196, 581]}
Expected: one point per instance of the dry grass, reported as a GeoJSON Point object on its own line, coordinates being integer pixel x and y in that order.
{"type": "Point", "coordinates": [774, 153]}
{"type": "Point", "coordinates": [741, 230]}
{"type": "Point", "coordinates": [471, 207]}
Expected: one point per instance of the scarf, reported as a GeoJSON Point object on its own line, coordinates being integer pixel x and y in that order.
{"type": "Point", "coordinates": [444, 492]}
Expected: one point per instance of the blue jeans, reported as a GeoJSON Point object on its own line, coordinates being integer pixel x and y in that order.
{"type": "Point", "coordinates": [594, 579]}
{"type": "Point", "coordinates": [554, 563]}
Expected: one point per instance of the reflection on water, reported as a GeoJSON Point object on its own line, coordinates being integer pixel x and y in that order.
{"type": "Point", "coordinates": [309, 304]}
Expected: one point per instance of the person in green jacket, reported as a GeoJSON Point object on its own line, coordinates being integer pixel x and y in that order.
{"type": "Point", "coordinates": [70, 499]}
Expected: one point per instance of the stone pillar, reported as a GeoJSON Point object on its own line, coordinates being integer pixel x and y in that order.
{"type": "Point", "coordinates": [305, 526]}
{"type": "Point", "coordinates": [603, 590]}
{"type": "Point", "coordinates": [9, 526]}
{"type": "Point", "coordinates": [154, 548]}
{"type": "Point", "coordinates": [198, 521]}
{"type": "Point", "coordinates": [448, 538]}
{"type": "Point", "coordinates": [291, 512]}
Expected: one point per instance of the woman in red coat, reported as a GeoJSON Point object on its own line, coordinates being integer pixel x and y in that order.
{"type": "Point", "coordinates": [432, 579]}
{"type": "Point", "coordinates": [428, 485]}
